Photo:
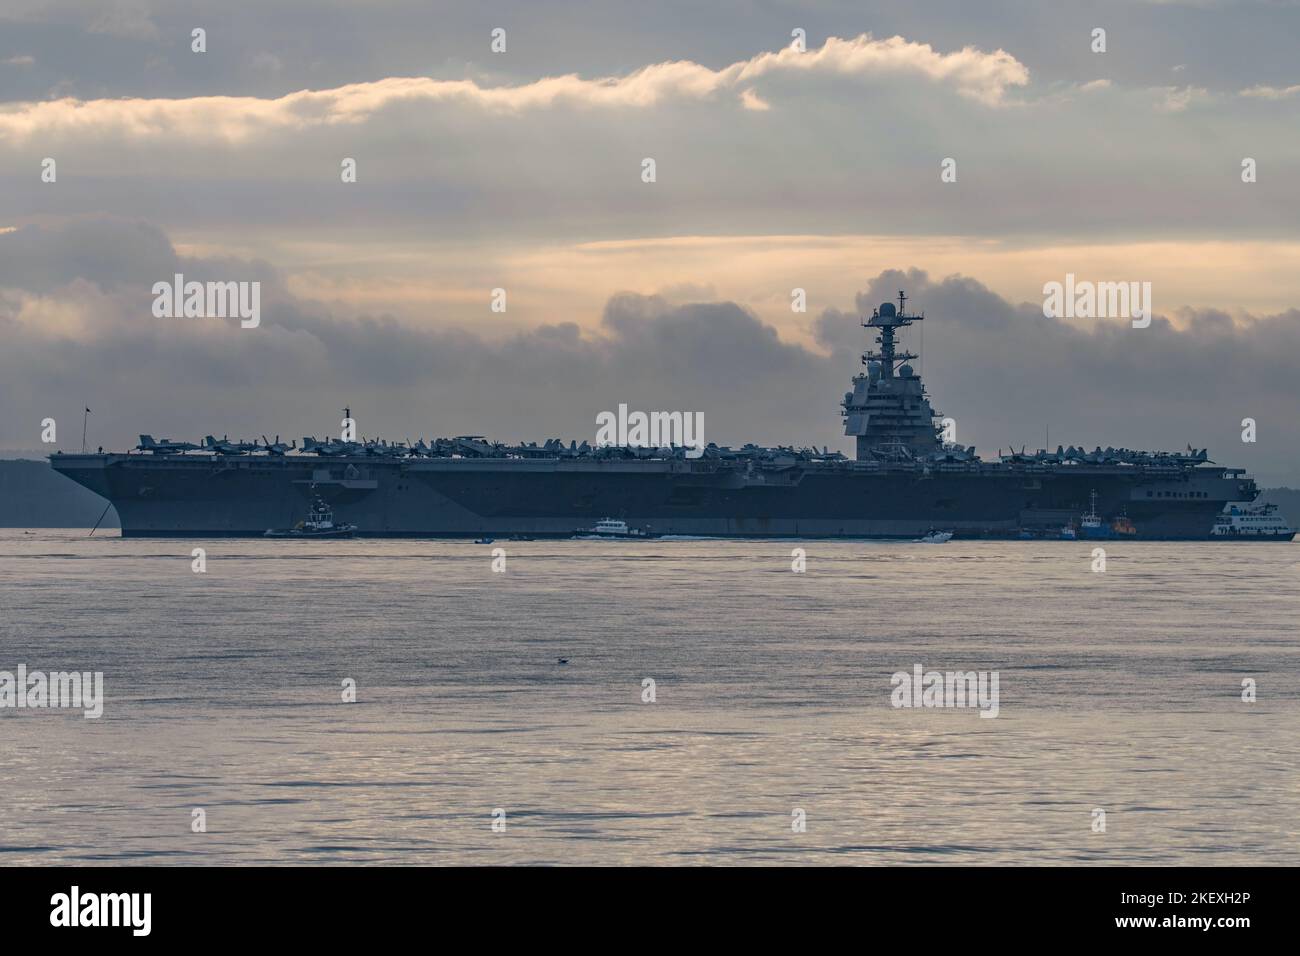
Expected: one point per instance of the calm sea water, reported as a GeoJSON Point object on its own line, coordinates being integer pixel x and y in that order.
{"type": "Point", "coordinates": [1119, 690]}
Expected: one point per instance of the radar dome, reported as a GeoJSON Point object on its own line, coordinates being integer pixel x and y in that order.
{"type": "Point", "coordinates": [905, 371]}
{"type": "Point", "coordinates": [887, 309]}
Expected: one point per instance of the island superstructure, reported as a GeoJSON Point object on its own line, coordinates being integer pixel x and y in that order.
{"type": "Point", "coordinates": [903, 481]}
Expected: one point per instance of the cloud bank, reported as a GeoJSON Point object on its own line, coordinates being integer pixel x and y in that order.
{"type": "Point", "coordinates": [984, 77]}
{"type": "Point", "coordinates": [75, 318]}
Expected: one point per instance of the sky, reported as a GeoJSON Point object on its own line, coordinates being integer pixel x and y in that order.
{"type": "Point", "coordinates": [776, 168]}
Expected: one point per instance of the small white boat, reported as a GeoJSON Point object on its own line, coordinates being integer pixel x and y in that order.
{"type": "Point", "coordinates": [610, 529]}
{"type": "Point", "coordinates": [936, 537]}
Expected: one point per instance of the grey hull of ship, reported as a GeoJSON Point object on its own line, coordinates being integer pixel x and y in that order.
{"type": "Point", "coordinates": [191, 495]}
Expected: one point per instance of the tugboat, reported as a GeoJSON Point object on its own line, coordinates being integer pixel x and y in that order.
{"type": "Point", "coordinates": [1261, 523]}
{"type": "Point", "coordinates": [319, 523]}
{"type": "Point", "coordinates": [1123, 527]}
{"type": "Point", "coordinates": [611, 529]}
{"type": "Point", "coordinates": [1090, 525]}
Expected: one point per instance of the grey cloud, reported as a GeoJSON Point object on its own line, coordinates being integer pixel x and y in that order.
{"type": "Point", "coordinates": [834, 154]}
{"type": "Point", "coordinates": [107, 252]}
{"type": "Point", "coordinates": [337, 41]}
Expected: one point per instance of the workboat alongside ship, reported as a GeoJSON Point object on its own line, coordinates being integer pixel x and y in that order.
{"type": "Point", "coordinates": [903, 482]}
{"type": "Point", "coordinates": [612, 529]}
{"type": "Point", "coordinates": [319, 523]}
{"type": "Point", "coordinates": [1262, 523]}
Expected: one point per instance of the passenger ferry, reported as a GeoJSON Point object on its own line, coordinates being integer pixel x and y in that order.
{"type": "Point", "coordinates": [611, 529]}
{"type": "Point", "coordinates": [1258, 523]}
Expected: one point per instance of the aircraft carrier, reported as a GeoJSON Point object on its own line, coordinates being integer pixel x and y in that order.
{"type": "Point", "coordinates": [903, 482]}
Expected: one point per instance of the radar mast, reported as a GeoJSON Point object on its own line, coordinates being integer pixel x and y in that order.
{"type": "Point", "coordinates": [889, 320]}
{"type": "Point", "coordinates": [888, 411]}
